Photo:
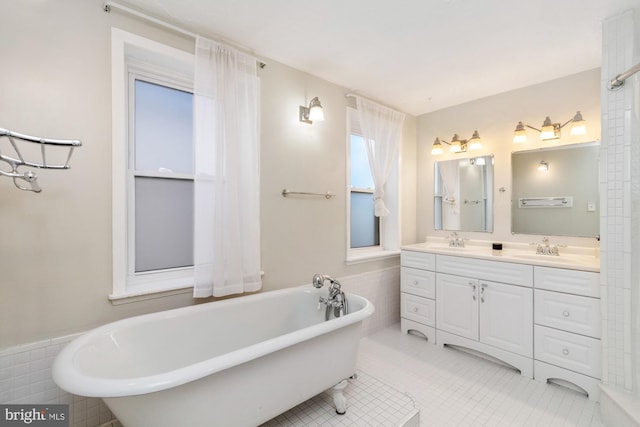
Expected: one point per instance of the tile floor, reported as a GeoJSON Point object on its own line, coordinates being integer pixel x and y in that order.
{"type": "Point", "coordinates": [370, 402]}
{"type": "Point", "coordinates": [400, 374]}
{"type": "Point", "coordinates": [453, 388]}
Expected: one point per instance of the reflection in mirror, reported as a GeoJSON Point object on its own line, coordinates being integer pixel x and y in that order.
{"type": "Point", "coordinates": [463, 198]}
{"type": "Point", "coordinates": [555, 191]}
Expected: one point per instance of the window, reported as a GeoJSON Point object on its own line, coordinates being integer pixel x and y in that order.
{"type": "Point", "coordinates": [160, 165]}
{"type": "Point", "coordinates": [368, 236]}
{"type": "Point", "coordinates": [152, 167]}
{"type": "Point", "coordinates": [365, 226]}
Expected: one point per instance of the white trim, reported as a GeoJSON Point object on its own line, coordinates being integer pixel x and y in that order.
{"type": "Point", "coordinates": [389, 225]}
{"type": "Point", "coordinates": [372, 253]}
{"type": "Point", "coordinates": [129, 48]}
{"type": "Point", "coordinates": [149, 293]}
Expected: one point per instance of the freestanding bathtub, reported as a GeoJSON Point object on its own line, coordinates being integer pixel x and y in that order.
{"type": "Point", "coordinates": [237, 362]}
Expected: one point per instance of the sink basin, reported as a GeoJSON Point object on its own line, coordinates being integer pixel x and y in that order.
{"type": "Point", "coordinates": [562, 259]}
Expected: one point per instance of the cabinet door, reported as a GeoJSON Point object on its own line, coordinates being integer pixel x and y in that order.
{"type": "Point", "coordinates": [457, 305]}
{"type": "Point", "coordinates": [506, 317]}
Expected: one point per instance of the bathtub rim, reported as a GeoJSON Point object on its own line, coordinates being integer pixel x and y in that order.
{"type": "Point", "coordinates": [70, 379]}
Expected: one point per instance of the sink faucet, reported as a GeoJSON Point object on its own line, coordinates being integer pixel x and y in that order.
{"type": "Point", "coordinates": [336, 299]}
{"type": "Point", "coordinates": [455, 241]}
{"type": "Point", "coordinates": [545, 248]}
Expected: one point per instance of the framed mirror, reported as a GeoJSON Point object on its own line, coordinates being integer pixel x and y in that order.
{"type": "Point", "coordinates": [463, 194]}
{"type": "Point", "coordinates": [555, 191]}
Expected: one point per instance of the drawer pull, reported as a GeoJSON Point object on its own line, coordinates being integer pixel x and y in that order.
{"type": "Point", "coordinates": [415, 309]}
{"type": "Point", "coordinates": [566, 313]}
{"type": "Point", "coordinates": [565, 351]}
{"type": "Point", "coordinates": [415, 283]}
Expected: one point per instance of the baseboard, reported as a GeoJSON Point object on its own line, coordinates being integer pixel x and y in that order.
{"type": "Point", "coordinates": [619, 408]}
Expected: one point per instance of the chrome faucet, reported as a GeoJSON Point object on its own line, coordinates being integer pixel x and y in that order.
{"type": "Point", "coordinates": [336, 299]}
{"type": "Point", "coordinates": [455, 241]}
{"type": "Point", "coordinates": [545, 248]}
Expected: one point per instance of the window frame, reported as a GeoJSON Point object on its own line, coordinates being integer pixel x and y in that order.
{"type": "Point", "coordinates": [134, 56]}
{"type": "Point", "coordinates": [389, 226]}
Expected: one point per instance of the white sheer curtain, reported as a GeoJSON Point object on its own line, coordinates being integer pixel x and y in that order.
{"type": "Point", "coordinates": [382, 131]}
{"type": "Point", "coordinates": [227, 173]}
{"type": "Point", "coordinates": [449, 171]}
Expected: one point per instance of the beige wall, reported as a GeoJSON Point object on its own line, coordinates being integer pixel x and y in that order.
{"type": "Point", "coordinates": [495, 118]}
{"type": "Point", "coordinates": [55, 249]}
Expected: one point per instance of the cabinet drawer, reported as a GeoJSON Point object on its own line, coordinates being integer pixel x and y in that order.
{"type": "Point", "coordinates": [418, 309]}
{"type": "Point", "coordinates": [421, 260]}
{"type": "Point", "coordinates": [576, 282]}
{"type": "Point", "coordinates": [418, 282]}
{"type": "Point", "coordinates": [571, 313]}
{"type": "Point", "coordinates": [495, 271]}
{"type": "Point", "coordinates": [570, 351]}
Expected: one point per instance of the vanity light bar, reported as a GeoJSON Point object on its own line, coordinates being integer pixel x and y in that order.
{"type": "Point", "coordinates": [457, 145]}
{"type": "Point", "coordinates": [550, 130]}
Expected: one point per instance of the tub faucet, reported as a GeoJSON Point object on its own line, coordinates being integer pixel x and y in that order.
{"type": "Point", "coordinates": [336, 299]}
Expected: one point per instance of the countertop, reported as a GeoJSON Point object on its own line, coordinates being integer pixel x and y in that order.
{"type": "Point", "coordinates": [571, 257]}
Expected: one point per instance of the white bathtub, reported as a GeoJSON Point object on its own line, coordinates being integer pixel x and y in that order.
{"type": "Point", "coordinates": [238, 362]}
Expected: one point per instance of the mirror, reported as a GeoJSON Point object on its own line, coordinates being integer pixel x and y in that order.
{"type": "Point", "coordinates": [463, 199]}
{"type": "Point", "coordinates": [555, 191]}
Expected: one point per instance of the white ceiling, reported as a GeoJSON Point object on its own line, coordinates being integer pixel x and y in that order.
{"type": "Point", "coordinates": [415, 55]}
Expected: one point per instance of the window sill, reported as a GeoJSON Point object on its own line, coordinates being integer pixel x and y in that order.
{"type": "Point", "coordinates": [137, 295]}
{"type": "Point", "coordinates": [360, 255]}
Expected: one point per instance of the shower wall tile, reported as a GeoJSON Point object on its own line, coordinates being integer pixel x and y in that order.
{"type": "Point", "coordinates": [620, 198]}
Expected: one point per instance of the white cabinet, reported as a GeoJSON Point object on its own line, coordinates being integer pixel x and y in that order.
{"type": "Point", "coordinates": [506, 317]}
{"type": "Point", "coordinates": [418, 292]}
{"type": "Point", "coordinates": [567, 327]}
{"type": "Point", "coordinates": [457, 305]}
{"type": "Point", "coordinates": [491, 317]}
{"type": "Point", "coordinates": [544, 321]}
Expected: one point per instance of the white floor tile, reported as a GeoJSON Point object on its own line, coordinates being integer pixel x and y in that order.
{"type": "Point", "coordinates": [453, 388]}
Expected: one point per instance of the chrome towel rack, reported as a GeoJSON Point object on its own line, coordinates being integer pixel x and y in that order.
{"type": "Point", "coordinates": [27, 180]}
{"type": "Point", "coordinates": [618, 81]}
{"type": "Point", "coordinates": [287, 193]}
{"type": "Point", "coordinates": [546, 202]}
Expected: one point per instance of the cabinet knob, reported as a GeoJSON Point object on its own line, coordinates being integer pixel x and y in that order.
{"type": "Point", "coordinates": [415, 309]}
{"type": "Point", "coordinates": [565, 351]}
{"type": "Point", "coordinates": [566, 313]}
{"type": "Point", "coordinates": [415, 283]}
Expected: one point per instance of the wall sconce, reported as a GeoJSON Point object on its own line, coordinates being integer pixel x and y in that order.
{"type": "Point", "coordinates": [458, 145]}
{"type": "Point", "coordinates": [312, 113]}
{"type": "Point", "coordinates": [543, 166]}
{"type": "Point", "coordinates": [550, 130]}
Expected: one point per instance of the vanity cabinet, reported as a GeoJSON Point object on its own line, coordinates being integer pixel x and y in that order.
{"type": "Point", "coordinates": [418, 292]}
{"type": "Point", "coordinates": [544, 321]}
{"type": "Point", "coordinates": [493, 313]}
{"type": "Point", "coordinates": [492, 317]}
{"type": "Point", "coordinates": [567, 327]}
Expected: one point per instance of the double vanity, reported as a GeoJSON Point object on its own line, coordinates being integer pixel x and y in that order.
{"type": "Point", "coordinates": [539, 313]}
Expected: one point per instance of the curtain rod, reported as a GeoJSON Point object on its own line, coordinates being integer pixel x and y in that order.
{"type": "Point", "coordinates": [618, 81]}
{"type": "Point", "coordinates": [355, 95]}
{"type": "Point", "coordinates": [108, 4]}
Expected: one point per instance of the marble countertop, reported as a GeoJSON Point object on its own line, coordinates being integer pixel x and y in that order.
{"type": "Point", "coordinates": [571, 257]}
